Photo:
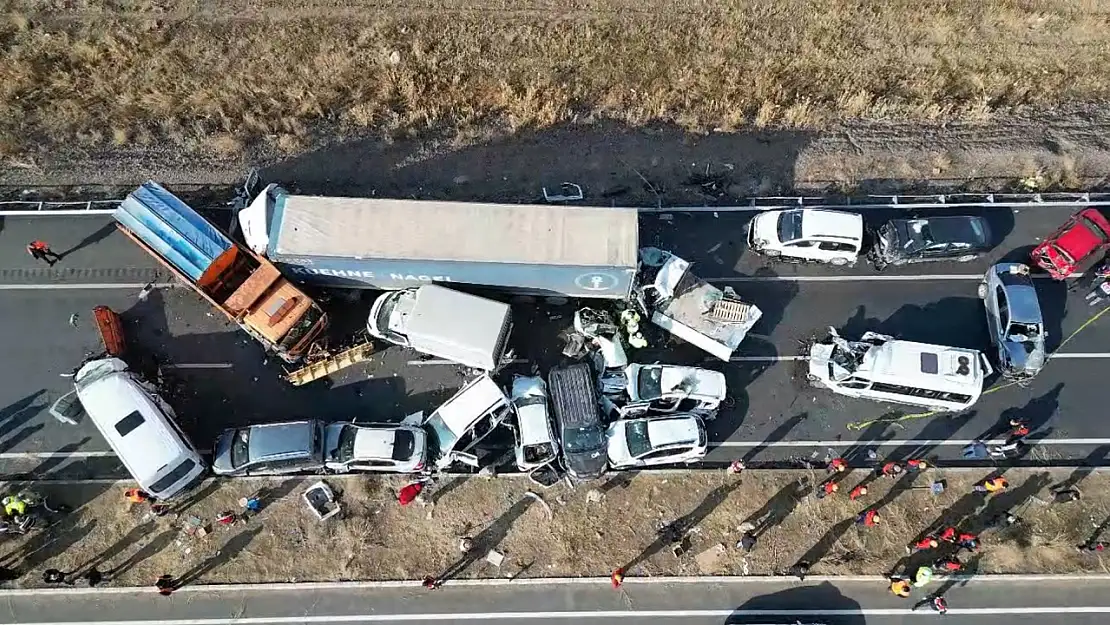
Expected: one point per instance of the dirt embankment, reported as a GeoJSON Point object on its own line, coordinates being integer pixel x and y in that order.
{"type": "Point", "coordinates": [135, 82]}
{"type": "Point", "coordinates": [589, 531]}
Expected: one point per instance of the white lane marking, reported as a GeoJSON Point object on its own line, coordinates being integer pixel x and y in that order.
{"type": "Point", "coordinates": [1065, 355]}
{"type": "Point", "coordinates": [1089, 355]}
{"type": "Point", "coordinates": [95, 212]}
{"type": "Point", "coordinates": [48, 455]}
{"type": "Point", "coordinates": [862, 278]}
{"type": "Point", "coordinates": [102, 286]}
{"type": "Point", "coordinates": [578, 614]}
{"type": "Point", "coordinates": [905, 442]}
{"type": "Point", "coordinates": [437, 361]}
{"type": "Point", "coordinates": [199, 365]}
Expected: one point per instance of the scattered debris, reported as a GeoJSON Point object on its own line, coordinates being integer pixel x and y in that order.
{"type": "Point", "coordinates": [570, 193]}
{"type": "Point", "coordinates": [321, 501]}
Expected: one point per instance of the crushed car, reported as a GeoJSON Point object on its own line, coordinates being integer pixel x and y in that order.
{"type": "Point", "coordinates": [1084, 234]}
{"type": "Point", "coordinates": [690, 308]}
{"type": "Point", "coordinates": [655, 440]}
{"type": "Point", "coordinates": [882, 368]}
{"type": "Point", "coordinates": [1014, 319]}
{"type": "Point", "coordinates": [807, 235]}
{"type": "Point", "coordinates": [462, 422]}
{"type": "Point", "coordinates": [536, 443]}
{"type": "Point", "coordinates": [958, 238]}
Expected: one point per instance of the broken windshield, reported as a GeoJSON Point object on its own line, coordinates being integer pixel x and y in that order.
{"type": "Point", "coordinates": [649, 384]}
{"type": "Point", "coordinates": [580, 440]}
{"type": "Point", "coordinates": [790, 226]}
{"type": "Point", "coordinates": [636, 437]}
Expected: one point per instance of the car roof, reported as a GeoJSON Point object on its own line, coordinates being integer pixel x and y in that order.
{"type": "Point", "coordinates": [275, 439]}
{"type": "Point", "coordinates": [903, 360]}
{"type": "Point", "coordinates": [114, 396]}
{"type": "Point", "coordinates": [672, 430]}
{"type": "Point", "coordinates": [1077, 239]}
{"type": "Point", "coordinates": [707, 383]}
{"type": "Point", "coordinates": [471, 402]}
{"type": "Point", "coordinates": [1021, 297]}
{"type": "Point", "coordinates": [953, 228]}
{"type": "Point", "coordinates": [818, 223]}
{"type": "Point", "coordinates": [374, 442]}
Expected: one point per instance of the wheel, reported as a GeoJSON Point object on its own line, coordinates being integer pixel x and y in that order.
{"type": "Point", "coordinates": [982, 290]}
{"type": "Point", "coordinates": [966, 258]}
{"type": "Point", "coordinates": [838, 262]}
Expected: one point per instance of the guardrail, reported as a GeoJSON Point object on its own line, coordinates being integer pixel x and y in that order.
{"type": "Point", "coordinates": [32, 208]}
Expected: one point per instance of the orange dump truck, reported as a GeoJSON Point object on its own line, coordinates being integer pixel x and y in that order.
{"type": "Point", "coordinates": [244, 286]}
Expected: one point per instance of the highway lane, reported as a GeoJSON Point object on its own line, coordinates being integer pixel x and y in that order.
{"type": "Point", "coordinates": [767, 601]}
{"type": "Point", "coordinates": [179, 328]}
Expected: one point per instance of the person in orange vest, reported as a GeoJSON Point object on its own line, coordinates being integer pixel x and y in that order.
{"type": "Point", "coordinates": [891, 469]}
{"type": "Point", "coordinates": [857, 492]}
{"type": "Point", "coordinates": [617, 578]}
{"type": "Point", "coordinates": [136, 495]}
{"type": "Point", "coordinates": [900, 587]}
{"type": "Point", "coordinates": [838, 465]}
{"type": "Point", "coordinates": [992, 485]}
{"type": "Point", "coordinates": [829, 487]}
{"type": "Point", "coordinates": [39, 250]}
{"type": "Point", "coordinates": [868, 518]}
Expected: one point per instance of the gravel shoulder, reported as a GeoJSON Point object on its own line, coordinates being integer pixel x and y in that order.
{"type": "Point", "coordinates": [589, 531]}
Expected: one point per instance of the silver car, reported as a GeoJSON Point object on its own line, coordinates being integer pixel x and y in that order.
{"type": "Point", "coordinates": [1014, 319]}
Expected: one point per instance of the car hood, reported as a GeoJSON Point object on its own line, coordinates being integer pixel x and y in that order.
{"type": "Point", "coordinates": [765, 228]}
{"type": "Point", "coordinates": [1026, 358]}
{"type": "Point", "coordinates": [587, 465]}
{"type": "Point", "coordinates": [221, 454]}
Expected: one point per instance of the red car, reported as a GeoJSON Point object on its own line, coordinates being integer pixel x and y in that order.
{"type": "Point", "coordinates": [1083, 234]}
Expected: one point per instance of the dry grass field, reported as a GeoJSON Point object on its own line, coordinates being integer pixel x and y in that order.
{"type": "Point", "coordinates": [583, 535]}
{"type": "Point", "coordinates": [221, 76]}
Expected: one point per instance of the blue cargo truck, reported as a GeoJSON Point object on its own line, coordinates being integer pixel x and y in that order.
{"type": "Point", "coordinates": [547, 250]}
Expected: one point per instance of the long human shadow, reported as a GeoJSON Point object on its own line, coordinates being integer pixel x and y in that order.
{"type": "Point", "coordinates": [232, 548]}
{"type": "Point", "coordinates": [778, 507]}
{"type": "Point", "coordinates": [821, 548]}
{"type": "Point", "coordinates": [16, 414]}
{"type": "Point", "coordinates": [775, 436]}
{"type": "Point", "coordinates": [92, 239]}
{"type": "Point", "coordinates": [130, 538]}
{"type": "Point", "coordinates": [686, 522]}
{"type": "Point", "coordinates": [1094, 459]}
{"type": "Point", "coordinates": [46, 544]}
{"type": "Point", "coordinates": [487, 539]}
{"type": "Point", "coordinates": [148, 550]}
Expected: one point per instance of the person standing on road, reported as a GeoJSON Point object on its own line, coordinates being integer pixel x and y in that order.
{"type": "Point", "coordinates": [39, 250]}
{"type": "Point", "coordinates": [900, 587]}
{"type": "Point", "coordinates": [891, 469]}
{"type": "Point", "coordinates": [837, 465]}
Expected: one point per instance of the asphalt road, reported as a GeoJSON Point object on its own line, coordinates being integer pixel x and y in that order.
{"type": "Point", "coordinates": [585, 602]}
{"type": "Point", "coordinates": [222, 378]}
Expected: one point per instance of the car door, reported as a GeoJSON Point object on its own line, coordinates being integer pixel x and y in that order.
{"type": "Point", "coordinates": [664, 456]}
{"type": "Point", "coordinates": [802, 250]}
{"type": "Point", "coordinates": [935, 251]}
{"type": "Point", "coordinates": [828, 251]}
{"type": "Point", "coordinates": [854, 386]}
{"type": "Point", "coordinates": [68, 409]}
{"type": "Point", "coordinates": [1001, 322]}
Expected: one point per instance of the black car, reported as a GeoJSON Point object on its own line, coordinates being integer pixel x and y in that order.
{"type": "Point", "coordinates": [960, 238]}
{"type": "Point", "coordinates": [574, 402]}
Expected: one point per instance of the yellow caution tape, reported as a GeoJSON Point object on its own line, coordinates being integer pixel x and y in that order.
{"type": "Point", "coordinates": [859, 425]}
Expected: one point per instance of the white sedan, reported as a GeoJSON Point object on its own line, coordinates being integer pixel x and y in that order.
{"type": "Point", "coordinates": [650, 441]}
{"type": "Point", "coordinates": [670, 388]}
{"type": "Point", "coordinates": [378, 447]}
{"type": "Point", "coordinates": [807, 234]}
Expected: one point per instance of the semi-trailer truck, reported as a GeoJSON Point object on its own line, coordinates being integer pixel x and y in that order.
{"type": "Point", "coordinates": [247, 288]}
{"type": "Point", "coordinates": [547, 250]}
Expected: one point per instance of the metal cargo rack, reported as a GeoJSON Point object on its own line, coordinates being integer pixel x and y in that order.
{"type": "Point", "coordinates": [330, 364]}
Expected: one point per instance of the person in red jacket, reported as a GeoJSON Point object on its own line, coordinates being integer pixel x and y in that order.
{"type": "Point", "coordinates": [929, 542]}
{"type": "Point", "coordinates": [39, 250]}
{"type": "Point", "coordinates": [891, 469]}
{"type": "Point", "coordinates": [838, 465]}
{"type": "Point", "coordinates": [857, 492]}
{"type": "Point", "coordinates": [409, 493]}
{"type": "Point", "coordinates": [948, 534]}
{"type": "Point", "coordinates": [829, 487]}
{"type": "Point", "coordinates": [868, 518]}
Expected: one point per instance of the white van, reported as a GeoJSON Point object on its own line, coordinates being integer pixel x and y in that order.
{"type": "Point", "coordinates": [463, 328]}
{"type": "Point", "coordinates": [138, 425]}
{"type": "Point", "coordinates": [460, 423]}
{"type": "Point", "coordinates": [903, 372]}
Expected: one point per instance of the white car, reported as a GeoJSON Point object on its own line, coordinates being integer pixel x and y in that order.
{"type": "Point", "coordinates": [670, 388]}
{"type": "Point", "coordinates": [807, 234]}
{"type": "Point", "coordinates": [535, 436]}
{"type": "Point", "coordinates": [650, 441]}
{"type": "Point", "coordinates": [384, 447]}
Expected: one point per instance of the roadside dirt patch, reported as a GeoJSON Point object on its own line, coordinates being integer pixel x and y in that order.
{"type": "Point", "coordinates": [219, 77]}
{"type": "Point", "coordinates": [591, 530]}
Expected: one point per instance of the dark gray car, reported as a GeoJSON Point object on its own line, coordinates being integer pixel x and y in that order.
{"type": "Point", "coordinates": [958, 238]}
{"type": "Point", "coordinates": [574, 402]}
{"type": "Point", "coordinates": [270, 449]}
